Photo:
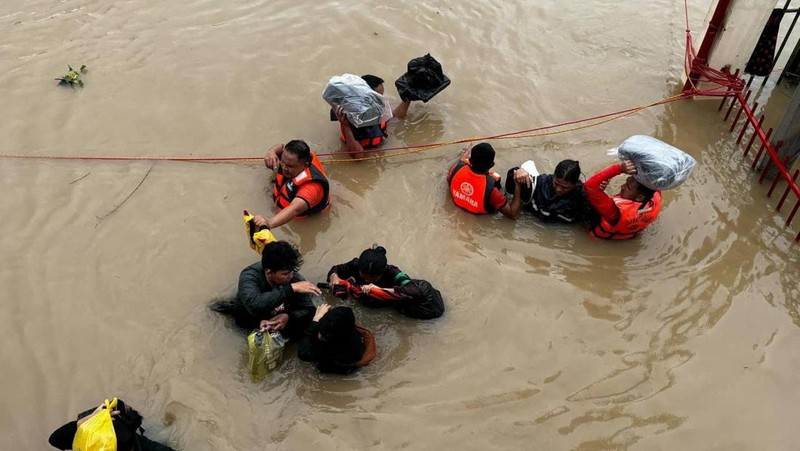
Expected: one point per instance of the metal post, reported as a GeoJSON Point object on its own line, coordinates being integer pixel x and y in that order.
{"type": "Point", "coordinates": [714, 25]}
{"type": "Point", "coordinates": [786, 191]}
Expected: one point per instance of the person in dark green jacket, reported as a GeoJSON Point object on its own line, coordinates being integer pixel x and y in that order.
{"type": "Point", "coordinates": [272, 295]}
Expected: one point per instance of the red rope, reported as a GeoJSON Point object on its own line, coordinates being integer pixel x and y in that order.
{"type": "Point", "coordinates": [724, 81]}
{"type": "Point", "coordinates": [328, 154]}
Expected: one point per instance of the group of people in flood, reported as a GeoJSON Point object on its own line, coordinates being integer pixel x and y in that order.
{"type": "Point", "coordinates": [273, 296]}
{"type": "Point", "coordinates": [557, 197]}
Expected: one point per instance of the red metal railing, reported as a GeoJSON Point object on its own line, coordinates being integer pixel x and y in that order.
{"type": "Point", "coordinates": [772, 160]}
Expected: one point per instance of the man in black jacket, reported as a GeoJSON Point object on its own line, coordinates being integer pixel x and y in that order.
{"type": "Point", "coordinates": [272, 294]}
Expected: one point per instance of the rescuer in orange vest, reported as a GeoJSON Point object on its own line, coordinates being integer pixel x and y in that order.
{"type": "Point", "coordinates": [300, 187]}
{"type": "Point", "coordinates": [358, 139]}
{"type": "Point", "coordinates": [475, 188]}
{"type": "Point", "coordinates": [625, 215]}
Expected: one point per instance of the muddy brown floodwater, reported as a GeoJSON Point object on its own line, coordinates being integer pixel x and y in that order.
{"type": "Point", "coordinates": [685, 338]}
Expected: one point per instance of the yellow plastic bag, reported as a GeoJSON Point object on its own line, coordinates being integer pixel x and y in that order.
{"type": "Point", "coordinates": [97, 433]}
{"type": "Point", "coordinates": [256, 238]}
{"type": "Point", "coordinates": [264, 350]}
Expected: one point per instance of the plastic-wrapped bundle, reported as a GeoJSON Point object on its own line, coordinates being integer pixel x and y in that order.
{"type": "Point", "coordinates": [659, 166]}
{"type": "Point", "coordinates": [423, 80]}
{"type": "Point", "coordinates": [362, 106]}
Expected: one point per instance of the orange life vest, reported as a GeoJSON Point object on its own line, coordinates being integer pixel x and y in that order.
{"type": "Point", "coordinates": [366, 142]}
{"type": "Point", "coordinates": [634, 217]}
{"type": "Point", "coordinates": [472, 191]}
{"type": "Point", "coordinates": [285, 190]}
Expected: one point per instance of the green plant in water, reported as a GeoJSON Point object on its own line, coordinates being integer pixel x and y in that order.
{"type": "Point", "coordinates": [73, 77]}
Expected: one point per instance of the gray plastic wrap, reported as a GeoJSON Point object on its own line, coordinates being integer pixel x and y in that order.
{"type": "Point", "coordinates": [659, 166]}
{"type": "Point", "coordinates": [362, 106]}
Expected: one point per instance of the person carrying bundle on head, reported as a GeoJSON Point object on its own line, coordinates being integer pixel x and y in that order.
{"type": "Point", "coordinates": [652, 166]}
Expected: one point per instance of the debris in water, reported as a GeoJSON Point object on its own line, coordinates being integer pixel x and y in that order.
{"type": "Point", "coordinates": [73, 77]}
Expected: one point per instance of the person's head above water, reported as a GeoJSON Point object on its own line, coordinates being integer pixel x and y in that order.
{"type": "Point", "coordinates": [338, 324]}
{"type": "Point", "coordinates": [635, 191]}
{"type": "Point", "coordinates": [374, 82]}
{"type": "Point", "coordinates": [566, 177]}
{"type": "Point", "coordinates": [296, 157]}
{"type": "Point", "coordinates": [372, 263]}
{"type": "Point", "coordinates": [280, 260]}
{"type": "Point", "coordinates": [481, 158]}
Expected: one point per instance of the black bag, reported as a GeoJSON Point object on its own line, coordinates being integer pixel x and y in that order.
{"type": "Point", "coordinates": [423, 80]}
{"type": "Point", "coordinates": [420, 300]}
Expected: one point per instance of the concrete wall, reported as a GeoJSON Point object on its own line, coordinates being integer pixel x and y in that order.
{"type": "Point", "coordinates": [740, 32]}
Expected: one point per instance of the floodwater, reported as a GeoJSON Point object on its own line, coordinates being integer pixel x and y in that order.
{"type": "Point", "coordinates": [685, 338]}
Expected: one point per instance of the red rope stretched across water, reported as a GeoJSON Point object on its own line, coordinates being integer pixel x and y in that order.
{"type": "Point", "coordinates": [725, 82]}
{"type": "Point", "coordinates": [385, 152]}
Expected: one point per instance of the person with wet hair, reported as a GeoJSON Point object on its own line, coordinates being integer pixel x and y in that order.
{"type": "Point", "coordinates": [272, 295]}
{"type": "Point", "coordinates": [300, 187]}
{"type": "Point", "coordinates": [359, 276]}
{"type": "Point", "coordinates": [357, 139]}
{"type": "Point", "coordinates": [475, 188]}
{"type": "Point", "coordinates": [556, 197]}
{"type": "Point", "coordinates": [624, 215]}
{"type": "Point", "coordinates": [335, 343]}
{"type": "Point", "coordinates": [127, 424]}
{"type": "Point", "coordinates": [373, 282]}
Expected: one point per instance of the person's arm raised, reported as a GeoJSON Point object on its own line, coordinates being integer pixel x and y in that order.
{"type": "Point", "coordinates": [273, 156]}
{"type": "Point", "coordinates": [401, 110]}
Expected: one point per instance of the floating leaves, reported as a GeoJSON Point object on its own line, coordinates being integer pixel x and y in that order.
{"type": "Point", "coordinates": [73, 77]}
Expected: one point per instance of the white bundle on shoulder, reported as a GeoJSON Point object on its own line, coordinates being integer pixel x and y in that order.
{"type": "Point", "coordinates": [360, 103]}
{"type": "Point", "coordinates": [659, 166]}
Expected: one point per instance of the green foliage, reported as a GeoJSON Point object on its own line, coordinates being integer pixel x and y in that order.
{"type": "Point", "coordinates": [73, 77]}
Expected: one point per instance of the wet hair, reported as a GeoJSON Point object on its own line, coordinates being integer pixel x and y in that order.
{"type": "Point", "coordinates": [338, 324]}
{"type": "Point", "coordinates": [372, 261]}
{"type": "Point", "coordinates": [372, 80]}
{"type": "Point", "coordinates": [482, 158]}
{"type": "Point", "coordinates": [569, 170]}
{"type": "Point", "coordinates": [281, 256]}
{"type": "Point", "coordinates": [299, 148]}
{"type": "Point", "coordinates": [644, 191]}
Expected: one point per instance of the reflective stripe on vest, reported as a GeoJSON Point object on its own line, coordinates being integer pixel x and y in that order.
{"type": "Point", "coordinates": [634, 217]}
{"type": "Point", "coordinates": [471, 191]}
{"type": "Point", "coordinates": [285, 190]}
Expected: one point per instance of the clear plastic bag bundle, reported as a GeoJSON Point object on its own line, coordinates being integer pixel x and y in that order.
{"type": "Point", "coordinates": [362, 106]}
{"type": "Point", "coordinates": [659, 166]}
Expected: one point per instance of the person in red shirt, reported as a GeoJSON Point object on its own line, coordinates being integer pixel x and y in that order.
{"type": "Point", "coordinates": [625, 215]}
{"type": "Point", "coordinates": [300, 187]}
{"type": "Point", "coordinates": [475, 188]}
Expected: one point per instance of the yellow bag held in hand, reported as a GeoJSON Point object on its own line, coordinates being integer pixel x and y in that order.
{"type": "Point", "coordinates": [256, 238]}
{"type": "Point", "coordinates": [97, 433]}
{"type": "Point", "coordinates": [264, 350]}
